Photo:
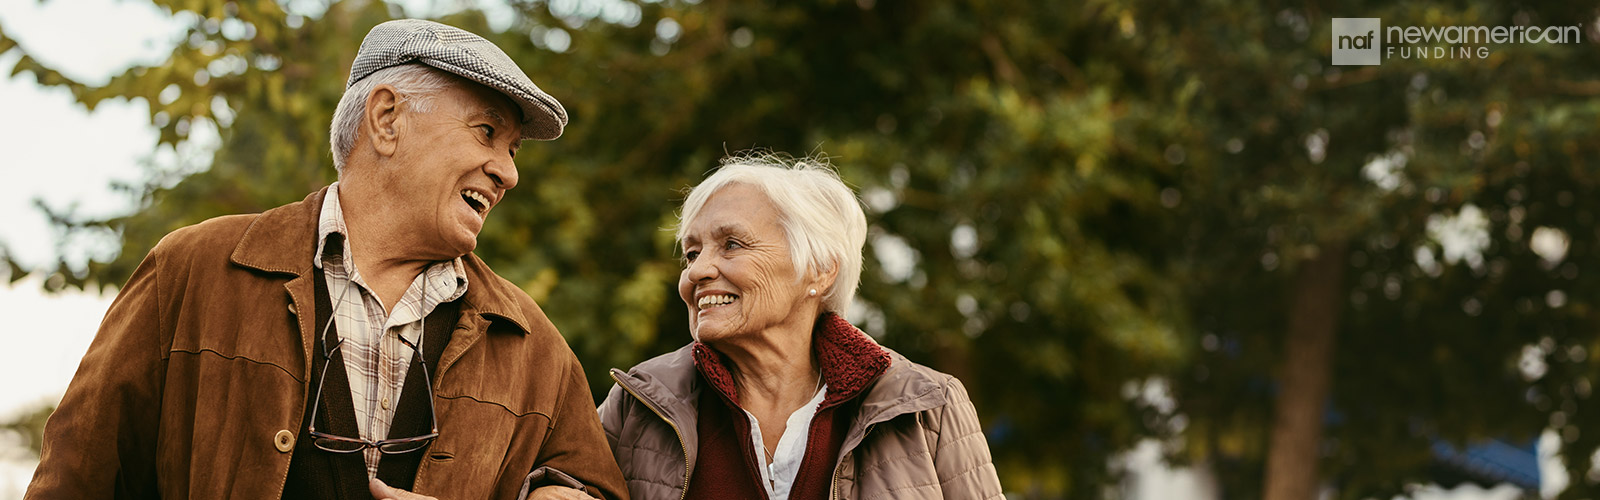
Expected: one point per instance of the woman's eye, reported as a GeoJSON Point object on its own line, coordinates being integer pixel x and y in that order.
{"type": "Point", "coordinates": [730, 245]}
{"type": "Point", "coordinates": [690, 255]}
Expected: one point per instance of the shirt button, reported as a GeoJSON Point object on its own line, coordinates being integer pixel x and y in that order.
{"type": "Point", "coordinates": [293, 310]}
{"type": "Point", "coordinates": [284, 441]}
{"type": "Point", "coordinates": [385, 403]}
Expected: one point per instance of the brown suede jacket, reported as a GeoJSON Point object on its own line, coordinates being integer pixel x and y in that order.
{"type": "Point", "coordinates": [196, 383]}
{"type": "Point", "coordinates": [915, 434]}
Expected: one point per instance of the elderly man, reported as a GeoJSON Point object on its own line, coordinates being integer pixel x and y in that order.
{"type": "Point", "coordinates": [348, 345]}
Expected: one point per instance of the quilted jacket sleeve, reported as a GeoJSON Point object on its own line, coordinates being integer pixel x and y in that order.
{"type": "Point", "coordinates": [961, 453]}
{"type": "Point", "coordinates": [612, 414]}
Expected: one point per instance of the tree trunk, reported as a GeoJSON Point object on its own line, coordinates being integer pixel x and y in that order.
{"type": "Point", "coordinates": [1303, 377]}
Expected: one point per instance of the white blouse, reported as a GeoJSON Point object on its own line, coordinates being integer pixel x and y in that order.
{"type": "Point", "coordinates": [778, 476]}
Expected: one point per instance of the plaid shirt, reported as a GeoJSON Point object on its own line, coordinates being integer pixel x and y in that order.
{"type": "Point", "coordinates": [374, 358]}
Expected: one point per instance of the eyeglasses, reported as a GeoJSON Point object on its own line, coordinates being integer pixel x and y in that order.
{"type": "Point", "coordinates": [341, 444]}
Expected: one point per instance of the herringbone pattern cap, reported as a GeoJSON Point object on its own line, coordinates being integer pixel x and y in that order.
{"type": "Point", "coordinates": [465, 54]}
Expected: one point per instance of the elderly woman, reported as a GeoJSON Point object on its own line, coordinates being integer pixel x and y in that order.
{"type": "Point", "coordinates": [779, 397]}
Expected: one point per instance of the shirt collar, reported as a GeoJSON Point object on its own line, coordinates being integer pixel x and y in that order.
{"type": "Point", "coordinates": [330, 222]}
{"type": "Point", "coordinates": [276, 242]}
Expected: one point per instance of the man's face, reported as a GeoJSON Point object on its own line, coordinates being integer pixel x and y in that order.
{"type": "Point", "coordinates": [451, 166]}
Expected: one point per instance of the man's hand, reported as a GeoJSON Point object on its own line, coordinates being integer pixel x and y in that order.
{"type": "Point", "coordinates": [558, 493]}
{"type": "Point", "coordinates": [382, 491]}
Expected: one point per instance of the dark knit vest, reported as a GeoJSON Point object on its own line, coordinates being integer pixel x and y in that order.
{"type": "Point", "coordinates": [317, 474]}
{"type": "Point", "coordinates": [727, 465]}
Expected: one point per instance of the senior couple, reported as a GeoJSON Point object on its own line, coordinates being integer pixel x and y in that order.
{"type": "Point", "coordinates": [350, 345]}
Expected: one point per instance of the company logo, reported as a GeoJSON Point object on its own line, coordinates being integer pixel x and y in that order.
{"type": "Point", "coordinates": [1363, 41]}
{"type": "Point", "coordinates": [1357, 41]}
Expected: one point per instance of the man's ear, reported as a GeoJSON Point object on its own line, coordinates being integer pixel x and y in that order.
{"type": "Point", "coordinates": [382, 116]}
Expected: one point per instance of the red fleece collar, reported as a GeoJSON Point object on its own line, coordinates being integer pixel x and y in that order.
{"type": "Point", "coordinates": [850, 361]}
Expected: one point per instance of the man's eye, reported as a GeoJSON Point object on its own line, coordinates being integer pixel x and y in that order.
{"type": "Point", "coordinates": [730, 245]}
{"type": "Point", "coordinates": [487, 131]}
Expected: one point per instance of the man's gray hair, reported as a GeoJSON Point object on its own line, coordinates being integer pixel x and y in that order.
{"type": "Point", "coordinates": [416, 84]}
{"type": "Point", "coordinates": [821, 217]}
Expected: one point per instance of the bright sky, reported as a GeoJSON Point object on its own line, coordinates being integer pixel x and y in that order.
{"type": "Point", "coordinates": [58, 152]}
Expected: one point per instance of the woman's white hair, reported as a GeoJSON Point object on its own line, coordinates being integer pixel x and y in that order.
{"type": "Point", "coordinates": [820, 215]}
{"type": "Point", "coordinates": [416, 84]}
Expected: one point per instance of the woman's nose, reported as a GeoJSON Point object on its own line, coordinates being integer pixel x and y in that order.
{"type": "Point", "coordinates": [702, 269]}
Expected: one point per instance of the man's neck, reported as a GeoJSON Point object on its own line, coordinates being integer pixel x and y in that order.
{"type": "Point", "coordinates": [381, 251]}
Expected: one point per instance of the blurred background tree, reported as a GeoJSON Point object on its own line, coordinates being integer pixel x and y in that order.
{"type": "Point", "coordinates": [1113, 220]}
{"type": "Point", "coordinates": [1391, 252]}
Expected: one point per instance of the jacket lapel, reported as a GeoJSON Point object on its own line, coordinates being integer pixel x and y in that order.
{"type": "Point", "coordinates": [489, 299]}
{"type": "Point", "coordinates": [282, 240]}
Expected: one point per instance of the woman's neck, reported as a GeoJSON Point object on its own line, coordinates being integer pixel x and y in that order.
{"type": "Point", "coordinates": [775, 371]}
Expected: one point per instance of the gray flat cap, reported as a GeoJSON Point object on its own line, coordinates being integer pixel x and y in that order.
{"type": "Point", "coordinates": [467, 55]}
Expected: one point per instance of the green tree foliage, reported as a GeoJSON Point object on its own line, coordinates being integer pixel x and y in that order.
{"type": "Point", "coordinates": [1303, 158]}
{"type": "Point", "coordinates": [1041, 303]}
{"type": "Point", "coordinates": [1070, 202]}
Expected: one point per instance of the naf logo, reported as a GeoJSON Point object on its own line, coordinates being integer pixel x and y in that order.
{"type": "Point", "coordinates": [1357, 41]}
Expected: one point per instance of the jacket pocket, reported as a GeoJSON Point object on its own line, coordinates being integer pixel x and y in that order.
{"type": "Point", "coordinates": [479, 441]}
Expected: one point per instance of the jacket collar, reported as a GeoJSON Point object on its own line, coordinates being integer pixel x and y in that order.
{"type": "Point", "coordinates": [283, 239]}
{"type": "Point", "coordinates": [670, 380]}
{"type": "Point", "coordinates": [905, 388]}
{"type": "Point", "coordinates": [668, 384]}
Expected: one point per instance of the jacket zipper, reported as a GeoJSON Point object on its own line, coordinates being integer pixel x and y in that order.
{"type": "Point", "coordinates": [669, 422]}
{"type": "Point", "coordinates": [833, 485]}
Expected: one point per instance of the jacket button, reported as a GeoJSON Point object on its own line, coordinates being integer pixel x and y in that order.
{"type": "Point", "coordinates": [284, 440]}
{"type": "Point", "coordinates": [293, 310]}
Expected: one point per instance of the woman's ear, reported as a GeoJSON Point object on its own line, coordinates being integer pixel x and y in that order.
{"type": "Point", "coordinates": [822, 281]}
{"type": "Point", "coordinates": [382, 115]}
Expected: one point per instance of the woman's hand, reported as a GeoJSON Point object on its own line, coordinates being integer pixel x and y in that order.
{"type": "Point", "coordinates": [558, 493]}
{"type": "Point", "coordinates": [382, 491]}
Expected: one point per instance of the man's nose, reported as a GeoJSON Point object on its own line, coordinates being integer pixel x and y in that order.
{"type": "Point", "coordinates": [503, 171]}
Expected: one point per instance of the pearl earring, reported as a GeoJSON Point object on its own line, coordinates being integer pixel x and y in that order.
{"type": "Point", "coordinates": [813, 292]}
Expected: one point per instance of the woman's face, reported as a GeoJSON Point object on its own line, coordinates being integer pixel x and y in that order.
{"type": "Point", "coordinates": [738, 277]}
